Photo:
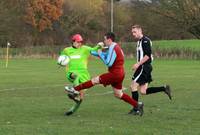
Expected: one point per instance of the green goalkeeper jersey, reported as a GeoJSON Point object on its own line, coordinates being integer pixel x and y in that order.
{"type": "Point", "coordinates": [78, 57]}
{"type": "Point", "coordinates": [78, 63]}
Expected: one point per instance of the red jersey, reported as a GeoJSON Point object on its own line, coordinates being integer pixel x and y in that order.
{"type": "Point", "coordinates": [118, 65]}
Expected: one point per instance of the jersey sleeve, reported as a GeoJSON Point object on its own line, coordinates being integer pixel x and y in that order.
{"type": "Point", "coordinates": [95, 48]}
{"type": "Point", "coordinates": [94, 53]}
{"type": "Point", "coordinates": [109, 57]}
{"type": "Point", "coordinates": [64, 52]}
{"type": "Point", "coordinates": [146, 45]}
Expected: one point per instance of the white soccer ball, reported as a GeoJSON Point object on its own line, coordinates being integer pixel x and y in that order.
{"type": "Point", "coordinates": [63, 60]}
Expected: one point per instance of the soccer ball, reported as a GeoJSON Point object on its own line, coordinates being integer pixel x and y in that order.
{"type": "Point", "coordinates": [63, 60]}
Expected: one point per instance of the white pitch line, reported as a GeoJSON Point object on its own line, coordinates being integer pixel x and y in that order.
{"type": "Point", "coordinates": [100, 94]}
{"type": "Point", "coordinates": [13, 89]}
{"type": "Point", "coordinates": [58, 85]}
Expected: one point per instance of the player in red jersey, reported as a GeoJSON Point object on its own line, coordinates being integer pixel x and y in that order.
{"type": "Point", "coordinates": [113, 58]}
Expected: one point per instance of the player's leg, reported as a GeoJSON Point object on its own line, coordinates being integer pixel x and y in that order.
{"type": "Point", "coordinates": [151, 90]}
{"type": "Point", "coordinates": [134, 90]}
{"type": "Point", "coordinates": [119, 94]}
{"type": "Point", "coordinates": [116, 83]}
{"type": "Point", "coordinates": [146, 78]}
{"type": "Point", "coordinates": [85, 85]}
{"type": "Point", "coordinates": [105, 79]}
{"type": "Point", "coordinates": [77, 81]}
{"type": "Point", "coordinates": [135, 96]}
{"type": "Point", "coordinates": [77, 99]}
{"type": "Point", "coordinates": [76, 90]}
{"type": "Point", "coordinates": [123, 96]}
{"type": "Point", "coordinates": [136, 78]}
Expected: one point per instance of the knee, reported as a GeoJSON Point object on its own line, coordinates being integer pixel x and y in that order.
{"type": "Point", "coordinates": [118, 93]}
{"type": "Point", "coordinates": [133, 89]}
{"type": "Point", "coordinates": [117, 96]}
{"type": "Point", "coordinates": [134, 86]}
{"type": "Point", "coordinates": [143, 91]}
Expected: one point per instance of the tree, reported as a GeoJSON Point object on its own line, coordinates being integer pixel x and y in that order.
{"type": "Point", "coordinates": [86, 17]}
{"type": "Point", "coordinates": [10, 18]}
{"type": "Point", "coordinates": [186, 13]}
{"type": "Point", "coordinates": [42, 13]}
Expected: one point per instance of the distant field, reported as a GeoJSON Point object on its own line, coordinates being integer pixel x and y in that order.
{"type": "Point", "coordinates": [183, 49]}
{"type": "Point", "coordinates": [32, 101]}
{"type": "Point", "coordinates": [193, 44]}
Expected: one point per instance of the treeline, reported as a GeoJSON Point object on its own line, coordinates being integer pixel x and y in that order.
{"type": "Point", "coordinates": [27, 23]}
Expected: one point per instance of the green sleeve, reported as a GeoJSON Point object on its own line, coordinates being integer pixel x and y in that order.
{"type": "Point", "coordinates": [64, 52]}
{"type": "Point", "coordinates": [95, 48]}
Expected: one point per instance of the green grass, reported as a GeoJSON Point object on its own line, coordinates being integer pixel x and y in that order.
{"type": "Point", "coordinates": [194, 44]}
{"type": "Point", "coordinates": [32, 101]}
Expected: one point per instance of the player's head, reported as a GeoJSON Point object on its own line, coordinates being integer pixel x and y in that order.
{"type": "Point", "coordinates": [109, 38]}
{"type": "Point", "coordinates": [137, 32]}
{"type": "Point", "coordinates": [77, 40]}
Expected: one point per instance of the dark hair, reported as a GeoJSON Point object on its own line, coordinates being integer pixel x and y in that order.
{"type": "Point", "coordinates": [110, 35]}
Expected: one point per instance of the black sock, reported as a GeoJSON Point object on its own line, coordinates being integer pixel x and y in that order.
{"type": "Point", "coordinates": [135, 95]}
{"type": "Point", "coordinates": [155, 89]}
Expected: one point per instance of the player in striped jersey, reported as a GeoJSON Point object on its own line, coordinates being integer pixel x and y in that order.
{"type": "Point", "coordinates": [143, 68]}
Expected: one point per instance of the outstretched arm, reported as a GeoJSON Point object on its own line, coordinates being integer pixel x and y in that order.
{"type": "Point", "coordinates": [109, 57]}
{"type": "Point", "coordinates": [94, 53]}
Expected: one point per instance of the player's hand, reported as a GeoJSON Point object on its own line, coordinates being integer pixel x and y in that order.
{"type": "Point", "coordinates": [101, 44]}
{"type": "Point", "coordinates": [135, 66]}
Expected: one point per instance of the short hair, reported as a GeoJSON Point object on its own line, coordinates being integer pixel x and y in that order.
{"type": "Point", "coordinates": [110, 35]}
{"type": "Point", "coordinates": [136, 26]}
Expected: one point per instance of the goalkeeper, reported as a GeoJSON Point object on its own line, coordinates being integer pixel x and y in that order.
{"type": "Point", "coordinates": [77, 71]}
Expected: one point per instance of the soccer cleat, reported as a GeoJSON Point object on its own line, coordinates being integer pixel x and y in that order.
{"type": "Point", "coordinates": [69, 113]}
{"type": "Point", "coordinates": [137, 111]}
{"type": "Point", "coordinates": [71, 90]}
{"type": "Point", "coordinates": [140, 108]}
{"type": "Point", "coordinates": [168, 91]}
{"type": "Point", "coordinates": [74, 97]}
{"type": "Point", "coordinates": [134, 111]}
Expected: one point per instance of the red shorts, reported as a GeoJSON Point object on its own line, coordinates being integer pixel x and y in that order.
{"type": "Point", "coordinates": [113, 79]}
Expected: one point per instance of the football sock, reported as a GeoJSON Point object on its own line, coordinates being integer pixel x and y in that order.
{"type": "Point", "coordinates": [155, 89]}
{"type": "Point", "coordinates": [84, 85]}
{"type": "Point", "coordinates": [135, 95]}
{"type": "Point", "coordinates": [74, 108]}
{"type": "Point", "coordinates": [129, 100]}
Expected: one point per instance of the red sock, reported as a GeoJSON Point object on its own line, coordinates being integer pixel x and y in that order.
{"type": "Point", "coordinates": [84, 85]}
{"type": "Point", "coordinates": [129, 100]}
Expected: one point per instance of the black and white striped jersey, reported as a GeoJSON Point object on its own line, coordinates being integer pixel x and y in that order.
{"type": "Point", "coordinates": [144, 48]}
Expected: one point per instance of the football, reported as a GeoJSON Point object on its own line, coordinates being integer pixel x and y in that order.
{"type": "Point", "coordinates": [63, 60]}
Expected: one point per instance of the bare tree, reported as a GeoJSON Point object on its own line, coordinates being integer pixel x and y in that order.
{"type": "Point", "coordinates": [186, 13]}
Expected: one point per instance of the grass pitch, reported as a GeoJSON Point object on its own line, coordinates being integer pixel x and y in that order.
{"type": "Point", "coordinates": [32, 101]}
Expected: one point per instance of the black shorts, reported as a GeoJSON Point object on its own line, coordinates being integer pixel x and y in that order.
{"type": "Point", "coordinates": [143, 74]}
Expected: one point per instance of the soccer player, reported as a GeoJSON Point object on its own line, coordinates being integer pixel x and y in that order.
{"type": "Point", "coordinates": [142, 76]}
{"type": "Point", "coordinates": [77, 71]}
{"type": "Point", "coordinates": [113, 58]}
